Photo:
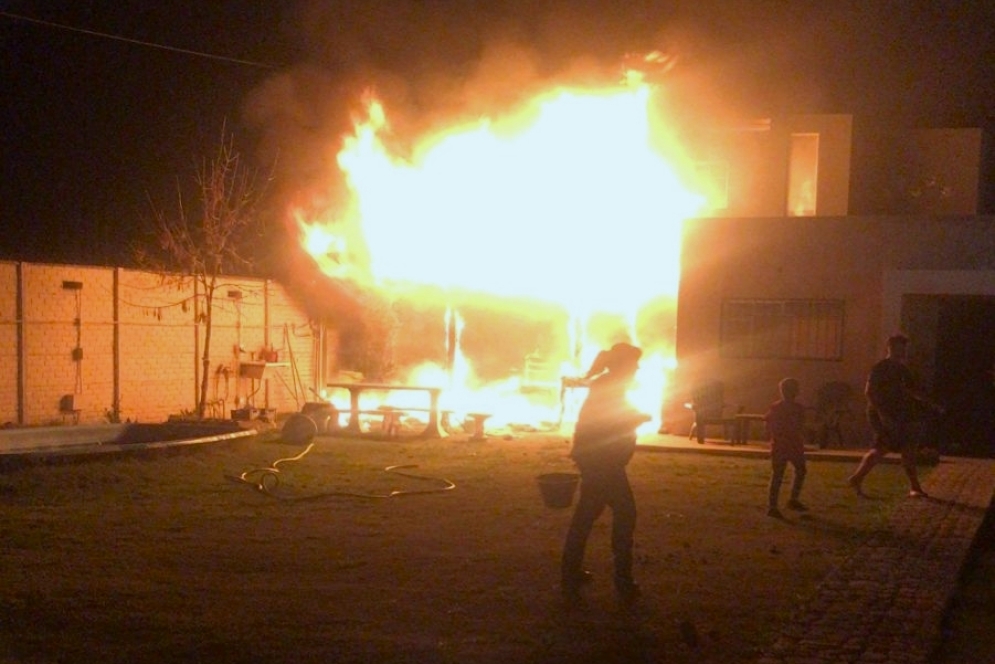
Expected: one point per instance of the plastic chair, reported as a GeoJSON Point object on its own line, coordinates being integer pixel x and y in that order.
{"type": "Point", "coordinates": [710, 409]}
{"type": "Point", "coordinates": [832, 408]}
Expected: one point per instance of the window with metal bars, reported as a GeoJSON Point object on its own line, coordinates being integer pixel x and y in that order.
{"type": "Point", "coordinates": [782, 329]}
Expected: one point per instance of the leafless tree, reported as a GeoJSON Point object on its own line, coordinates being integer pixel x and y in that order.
{"type": "Point", "coordinates": [205, 239]}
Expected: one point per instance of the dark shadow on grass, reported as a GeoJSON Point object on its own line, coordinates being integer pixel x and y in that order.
{"type": "Point", "coordinates": [605, 630]}
{"type": "Point", "coordinates": [878, 537]}
{"type": "Point", "coordinates": [870, 497]}
{"type": "Point", "coordinates": [817, 522]}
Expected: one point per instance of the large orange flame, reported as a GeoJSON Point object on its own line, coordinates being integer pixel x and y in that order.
{"type": "Point", "coordinates": [574, 200]}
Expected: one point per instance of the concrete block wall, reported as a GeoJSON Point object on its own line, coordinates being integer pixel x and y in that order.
{"type": "Point", "coordinates": [8, 343]}
{"type": "Point", "coordinates": [249, 320]}
{"type": "Point", "coordinates": [140, 345]}
{"type": "Point", "coordinates": [158, 344]}
{"type": "Point", "coordinates": [294, 336]}
{"type": "Point", "coordinates": [66, 309]}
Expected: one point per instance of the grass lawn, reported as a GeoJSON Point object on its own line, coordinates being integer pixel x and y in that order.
{"type": "Point", "coordinates": [162, 557]}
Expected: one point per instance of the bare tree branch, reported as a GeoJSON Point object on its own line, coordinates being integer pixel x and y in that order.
{"type": "Point", "coordinates": [205, 240]}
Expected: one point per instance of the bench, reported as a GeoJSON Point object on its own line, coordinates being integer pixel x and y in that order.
{"type": "Point", "coordinates": [478, 419]}
{"type": "Point", "coordinates": [390, 419]}
{"type": "Point", "coordinates": [391, 424]}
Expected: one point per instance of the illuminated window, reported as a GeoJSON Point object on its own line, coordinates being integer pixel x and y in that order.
{"type": "Point", "coordinates": [713, 178]}
{"type": "Point", "coordinates": [803, 175]}
{"type": "Point", "coordinates": [784, 329]}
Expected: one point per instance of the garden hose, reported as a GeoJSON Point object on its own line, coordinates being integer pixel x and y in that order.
{"type": "Point", "coordinates": [268, 479]}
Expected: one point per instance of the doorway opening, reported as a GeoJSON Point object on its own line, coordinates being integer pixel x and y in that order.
{"type": "Point", "coordinates": [959, 330]}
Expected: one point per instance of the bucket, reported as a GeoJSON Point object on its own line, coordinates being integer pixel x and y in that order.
{"type": "Point", "coordinates": [298, 429]}
{"type": "Point", "coordinates": [558, 488]}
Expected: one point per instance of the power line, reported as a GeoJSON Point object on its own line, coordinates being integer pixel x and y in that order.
{"type": "Point", "coordinates": [138, 42]}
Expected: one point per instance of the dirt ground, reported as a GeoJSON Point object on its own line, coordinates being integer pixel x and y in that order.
{"type": "Point", "coordinates": [169, 557]}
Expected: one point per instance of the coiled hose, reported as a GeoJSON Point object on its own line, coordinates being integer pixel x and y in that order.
{"type": "Point", "coordinates": [267, 479]}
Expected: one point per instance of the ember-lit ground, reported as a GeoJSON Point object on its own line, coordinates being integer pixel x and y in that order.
{"type": "Point", "coordinates": [163, 557]}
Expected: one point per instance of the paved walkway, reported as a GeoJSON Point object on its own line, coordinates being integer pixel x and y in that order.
{"type": "Point", "coordinates": [886, 603]}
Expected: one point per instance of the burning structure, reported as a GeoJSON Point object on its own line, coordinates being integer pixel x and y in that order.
{"type": "Point", "coordinates": [532, 240]}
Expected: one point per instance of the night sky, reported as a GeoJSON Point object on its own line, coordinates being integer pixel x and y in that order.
{"type": "Point", "coordinates": [95, 128]}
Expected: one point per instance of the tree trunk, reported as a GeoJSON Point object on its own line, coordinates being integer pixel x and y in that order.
{"type": "Point", "coordinates": [205, 377]}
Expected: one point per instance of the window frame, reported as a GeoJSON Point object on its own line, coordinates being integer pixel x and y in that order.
{"type": "Point", "coordinates": [803, 174]}
{"type": "Point", "coordinates": [808, 329]}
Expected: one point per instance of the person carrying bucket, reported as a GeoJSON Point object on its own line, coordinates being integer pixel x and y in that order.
{"type": "Point", "coordinates": [604, 441]}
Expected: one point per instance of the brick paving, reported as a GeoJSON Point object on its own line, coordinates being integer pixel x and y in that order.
{"type": "Point", "coordinates": [886, 603]}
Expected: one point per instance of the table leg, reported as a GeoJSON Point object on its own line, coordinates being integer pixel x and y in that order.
{"type": "Point", "coordinates": [434, 427]}
{"type": "Point", "coordinates": [353, 425]}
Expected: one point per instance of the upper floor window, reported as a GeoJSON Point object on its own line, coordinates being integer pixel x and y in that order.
{"type": "Point", "coordinates": [785, 329]}
{"type": "Point", "coordinates": [803, 175]}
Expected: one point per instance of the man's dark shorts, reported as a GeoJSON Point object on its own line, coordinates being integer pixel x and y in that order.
{"type": "Point", "coordinates": [891, 435]}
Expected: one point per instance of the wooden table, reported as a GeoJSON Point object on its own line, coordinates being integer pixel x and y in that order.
{"type": "Point", "coordinates": [433, 429]}
{"type": "Point", "coordinates": [743, 423]}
